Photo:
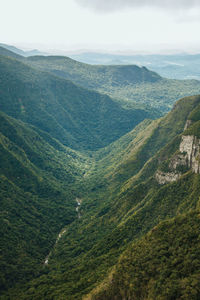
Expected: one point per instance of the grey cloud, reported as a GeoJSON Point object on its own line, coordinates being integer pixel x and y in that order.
{"type": "Point", "coordinates": [113, 5]}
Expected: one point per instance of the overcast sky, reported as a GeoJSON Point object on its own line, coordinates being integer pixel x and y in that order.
{"type": "Point", "coordinates": [106, 25]}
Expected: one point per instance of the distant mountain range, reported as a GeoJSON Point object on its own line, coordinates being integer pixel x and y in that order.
{"type": "Point", "coordinates": [123, 83]}
{"type": "Point", "coordinates": [77, 117]}
{"type": "Point", "coordinates": [22, 52]}
{"type": "Point", "coordinates": [174, 66]}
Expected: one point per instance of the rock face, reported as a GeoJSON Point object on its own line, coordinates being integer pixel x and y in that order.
{"type": "Point", "coordinates": [163, 177]}
{"type": "Point", "coordinates": [187, 158]}
{"type": "Point", "coordinates": [190, 146]}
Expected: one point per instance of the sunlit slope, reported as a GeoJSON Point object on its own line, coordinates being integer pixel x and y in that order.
{"type": "Point", "coordinates": [164, 264]}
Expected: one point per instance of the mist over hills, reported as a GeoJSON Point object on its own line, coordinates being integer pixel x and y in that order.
{"type": "Point", "coordinates": [99, 196]}
{"type": "Point", "coordinates": [22, 52]}
{"type": "Point", "coordinates": [174, 66]}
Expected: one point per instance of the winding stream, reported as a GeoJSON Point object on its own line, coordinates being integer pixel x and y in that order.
{"type": "Point", "coordinates": [78, 201]}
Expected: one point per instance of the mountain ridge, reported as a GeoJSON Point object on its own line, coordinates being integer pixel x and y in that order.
{"type": "Point", "coordinates": [79, 118]}
{"type": "Point", "coordinates": [122, 82]}
{"type": "Point", "coordinates": [128, 84]}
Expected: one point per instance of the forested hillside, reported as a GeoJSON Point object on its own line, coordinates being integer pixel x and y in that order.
{"type": "Point", "coordinates": [164, 264]}
{"type": "Point", "coordinates": [77, 117]}
{"type": "Point", "coordinates": [38, 176]}
{"type": "Point", "coordinates": [99, 197]}
{"type": "Point", "coordinates": [119, 210]}
{"type": "Point", "coordinates": [123, 82]}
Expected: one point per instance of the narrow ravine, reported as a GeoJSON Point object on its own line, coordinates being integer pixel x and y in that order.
{"type": "Point", "coordinates": [78, 201]}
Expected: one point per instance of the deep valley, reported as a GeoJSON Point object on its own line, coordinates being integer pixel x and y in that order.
{"type": "Point", "coordinates": [99, 181]}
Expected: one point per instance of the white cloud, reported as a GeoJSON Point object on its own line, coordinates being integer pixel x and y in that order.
{"type": "Point", "coordinates": [114, 5]}
{"type": "Point", "coordinates": [65, 24]}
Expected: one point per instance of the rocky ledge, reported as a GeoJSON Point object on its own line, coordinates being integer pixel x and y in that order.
{"type": "Point", "coordinates": [163, 178]}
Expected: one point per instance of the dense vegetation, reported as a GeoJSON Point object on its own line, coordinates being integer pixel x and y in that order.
{"type": "Point", "coordinates": [78, 118]}
{"type": "Point", "coordinates": [37, 178]}
{"type": "Point", "coordinates": [163, 265]}
{"type": "Point", "coordinates": [175, 66]}
{"type": "Point", "coordinates": [117, 212]}
{"type": "Point", "coordinates": [127, 82]}
{"type": "Point", "coordinates": [122, 82]}
{"type": "Point", "coordinates": [120, 201]}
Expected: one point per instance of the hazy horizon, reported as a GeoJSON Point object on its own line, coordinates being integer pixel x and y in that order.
{"type": "Point", "coordinates": [128, 26]}
{"type": "Point", "coordinates": [61, 49]}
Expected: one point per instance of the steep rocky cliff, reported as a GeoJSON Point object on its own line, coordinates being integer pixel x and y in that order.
{"type": "Point", "coordinates": [187, 157]}
{"type": "Point", "coordinates": [190, 149]}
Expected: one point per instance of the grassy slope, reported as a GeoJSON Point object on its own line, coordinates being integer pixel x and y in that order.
{"type": "Point", "coordinates": [140, 85]}
{"type": "Point", "coordinates": [77, 117]}
{"type": "Point", "coordinates": [93, 243]}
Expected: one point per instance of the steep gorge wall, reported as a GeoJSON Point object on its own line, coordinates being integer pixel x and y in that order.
{"type": "Point", "coordinates": [188, 157]}
{"type": "Point", "coordinates": [190, 147]}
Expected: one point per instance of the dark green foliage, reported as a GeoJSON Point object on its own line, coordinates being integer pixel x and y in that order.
{"type": "Point", "coordinates": [121, 198]}
{"type": "Point", "coordinates": [195, 114]}
{"type": "Point", "coordinates": [163, 265]}
{"type": "Point", "coordinates": [193, 129]}
{"type": "Point", "coordinates": [119, 212]}
{"type": "Point", "coordinates": [36, 198]}
{"type": "Point", "coordinates": [78, 118]}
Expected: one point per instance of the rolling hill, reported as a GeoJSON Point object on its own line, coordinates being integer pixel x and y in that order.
{"type": "Point", "coordinates": [21, 52]}
{"type": "Point", "coordinates": [9, 53]}
{"type": "Point", "coordinates": [129, 84]}
{"type": "Point", "coordinates": [175, 66]}
{"type": "Point", "coordinates": [122, 82]}
{"type": "Point", "coordinates": [78, 118]}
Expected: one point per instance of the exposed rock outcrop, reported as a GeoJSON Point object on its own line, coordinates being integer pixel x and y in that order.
{"type": "Point", "coordinates": [188, 157]}
{"type": "Point", "coordinates": [190, 147]}
{"type": "Point", "coordinates": [163, 177]}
